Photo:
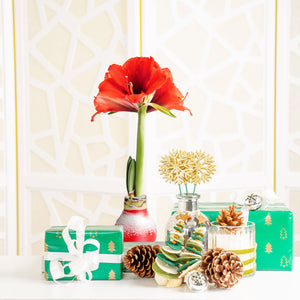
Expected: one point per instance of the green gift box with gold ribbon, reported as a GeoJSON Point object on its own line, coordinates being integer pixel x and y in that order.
{"type": "Point", "coordinates": [273, 231]}
{"type": "Point", "coordinates": [83, 253]}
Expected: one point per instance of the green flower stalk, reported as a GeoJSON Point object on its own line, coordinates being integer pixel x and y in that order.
{"type": "Point", "coordinates": [140, 149]}
{"type": "Point", "coordinates": [139, 85]}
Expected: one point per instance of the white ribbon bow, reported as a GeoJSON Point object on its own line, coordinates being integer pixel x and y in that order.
{"type": "Point", "coordinates": [81, 264]}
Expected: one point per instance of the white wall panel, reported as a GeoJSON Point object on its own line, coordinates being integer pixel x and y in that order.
{"type": "Point", "coordinates": [8, 187]}
{"type": "Point", "coordinates": [221, 56]}
{"type": "Point", "coordinates": [288, 107]}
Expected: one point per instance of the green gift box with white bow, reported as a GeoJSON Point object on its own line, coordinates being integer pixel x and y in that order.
{"type": "Point", "coordinates": [83, 253]}
{"type": "Point", "coordinates": [273, 231]}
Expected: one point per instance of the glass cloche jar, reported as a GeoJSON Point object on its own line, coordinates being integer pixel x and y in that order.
{"type": "Point", "coordinates": [196, 224]}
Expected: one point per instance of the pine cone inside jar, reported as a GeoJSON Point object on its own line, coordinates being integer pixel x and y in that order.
{"type": "Point", "coordinates": [140, 258]}
{"type": "Point", "coordinates": [223, 268]}
{"type": "Point", "coordinates": [230, 217]}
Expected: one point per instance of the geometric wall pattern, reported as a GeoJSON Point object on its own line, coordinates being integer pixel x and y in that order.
{"type": "Point", "coordinates": [218, 54]}
{"type": "Point", "coordinates": [65, 48]}
{"type": "Point", "coordinates": [222, 54]}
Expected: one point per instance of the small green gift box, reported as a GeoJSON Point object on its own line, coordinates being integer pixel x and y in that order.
{"type": "Point", "coordinates": [84, 253]}
{"type": "Point", "coordinates": [273, 231]}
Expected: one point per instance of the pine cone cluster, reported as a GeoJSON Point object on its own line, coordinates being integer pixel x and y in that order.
{"type": "Point", "coordinates": [140, 258]}
{"type": "Point", "coordinates": [221, 267]}
{"type": "Point", "coordinates": [230, 217]}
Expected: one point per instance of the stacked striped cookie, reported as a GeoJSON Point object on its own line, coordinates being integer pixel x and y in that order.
{"type": "Point", "coordinates": [178, 256]}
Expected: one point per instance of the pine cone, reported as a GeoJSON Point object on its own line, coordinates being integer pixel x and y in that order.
{"type": "Point", "coordinates": [229, 217]}
{"type": "Point", "coordinates": [223, 268]}
{"type": "Point", "coordinates": [139, 259]}
{"type": "Point", "coordinates": [207, 260]}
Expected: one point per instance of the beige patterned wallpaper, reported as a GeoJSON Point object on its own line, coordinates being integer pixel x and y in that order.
{"type": "Point", "coordinates": [216, 53]}
{"type": "Point", "coordinates": [68, 47]}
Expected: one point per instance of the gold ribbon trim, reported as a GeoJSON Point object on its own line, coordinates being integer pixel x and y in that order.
{"type": "Point", "coordinates": [250, 271]}
{"type": "Point", "coordinates": [249, 261]}
{"type": "Point", "coordinates": [243, 251]}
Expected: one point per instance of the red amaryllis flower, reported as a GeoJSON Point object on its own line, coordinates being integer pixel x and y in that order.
{"type": "Point", "coordinates": [139, 85]}
{"type": "Point", "coordinates": [139, 81]}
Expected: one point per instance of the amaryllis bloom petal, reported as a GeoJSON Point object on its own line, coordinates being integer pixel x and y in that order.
{"type": "Point", "coordinates": [145, 74]}
{"type": "Point", "coordinates": [105, 104]}
{"type": "Point", "coordinates": [158, 79]}
{"type": "Point", "coordinates": [124, 87]}
{"type": "Point", "coordinates": [170, 97]}
{"type": "Point", "coordinates": [118, 76]}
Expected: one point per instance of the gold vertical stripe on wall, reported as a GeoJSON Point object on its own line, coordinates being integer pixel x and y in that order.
{"type": "Point", "coordinates": [16, 120]}
{"type": "Point", "coordinates": [275, 97]}
{"type": "Point", "coordinates": [141, 30]}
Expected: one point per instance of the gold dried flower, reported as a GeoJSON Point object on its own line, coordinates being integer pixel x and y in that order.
{"type": "Point", "coordinates": [187, 167]}
{"type": "Point", "coordinates": [171, 167]}
{"type": "Point", "coordinates": [203, 167]}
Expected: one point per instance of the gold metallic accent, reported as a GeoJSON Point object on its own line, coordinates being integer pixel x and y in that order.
{"type": "Point", "coordinates": [249, 261]}
{"type": "Point", "coordinates": [268, 248]}
{"type": "Point", "coordinates": [244, 251]}
{"type": "Point", "coordinates": [111, 246]}
{"type": "Point", "coordinates": [268, 220]}
{"type": "Point", "coordinates": [283, 233]}
{"type": "Point", "coordinates": [283, 262]}
{"type": "Point", "coordinates": [112, 275]}
{"type": "Point", "coordinates": [16, 124]}
{"type": "Point", "coordinates": [250, 271]}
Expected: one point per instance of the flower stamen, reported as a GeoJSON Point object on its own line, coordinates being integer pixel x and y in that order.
{"type": "Point", "coordinates": [130, 87]}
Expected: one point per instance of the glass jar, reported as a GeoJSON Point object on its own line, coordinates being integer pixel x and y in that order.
{"type": "Point", "coordinates": [237, 239]}
{"type": "Point", "coordinates": [187, 211]}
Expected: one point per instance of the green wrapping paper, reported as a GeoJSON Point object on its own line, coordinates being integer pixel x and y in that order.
{"type": "Point", "coordinates": [273, 231]}
{"type": "Point", "coordinates": [104, 242]}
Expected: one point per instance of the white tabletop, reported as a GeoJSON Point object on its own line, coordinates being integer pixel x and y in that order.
{"type": "Point", "coordinates": [21, 278]}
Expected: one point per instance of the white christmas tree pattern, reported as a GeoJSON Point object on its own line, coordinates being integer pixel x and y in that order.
{"type": "Point", "coordinates": [268, 248]}
{"type": "Point", "coordinates": [283, 262]}
{"type": "Point", "coordinates": [268, 220]}
{"type": "Point", "coordinates": [111, 246]}
{"type": "Point", "coordinates": [112, 275]}
{"type": "Point", "coordinates": [283, 234]}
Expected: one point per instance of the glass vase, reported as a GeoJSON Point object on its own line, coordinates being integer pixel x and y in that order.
{"type": "Point", "coordinates": [138, 226]}
{"type": "Point", "coordinates": [188, 211]}
{"type": "Point", "coordinates": [237, 239]}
